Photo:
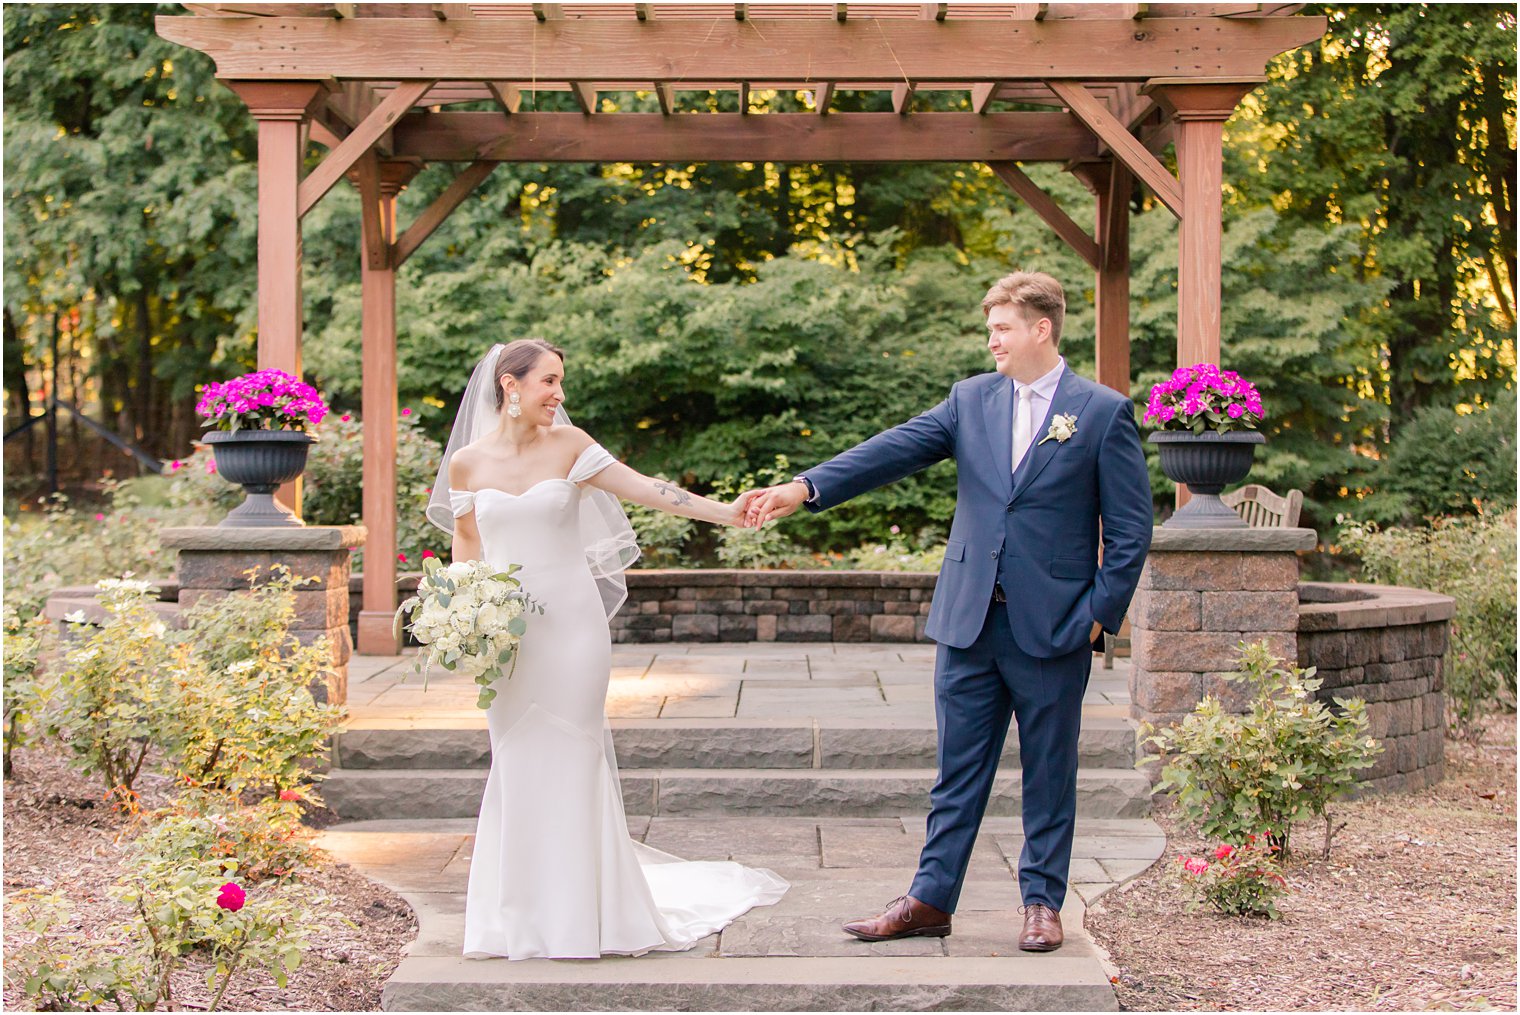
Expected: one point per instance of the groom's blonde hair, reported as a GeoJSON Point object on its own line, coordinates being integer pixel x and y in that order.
{"type": "Point", "coordinates": [1035, 294]}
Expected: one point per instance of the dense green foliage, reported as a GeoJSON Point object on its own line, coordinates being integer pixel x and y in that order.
{"type": "Point", "coordinates": [1473, 560]}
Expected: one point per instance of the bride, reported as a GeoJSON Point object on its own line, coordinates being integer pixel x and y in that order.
{"type": "Point", "coordinates": [554, 872]}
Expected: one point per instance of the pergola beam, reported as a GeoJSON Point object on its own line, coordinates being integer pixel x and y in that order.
{"type": "Point", "coordinates": [902, 97]}
{"type": "Point", "coordinates": [362, 139]}
{"type": "Point", "coordinates": [508, 96]}
{"type": "Point", "coordinates": [1045, 206]}
{"type": "Point", "coordinates": [675, 50]}
{"type": "Point", "coordinates": [442, 207]}
{"type": "Point", "coordinates": [1125, 146]}
{"type": "Point", "coordinates": [719, 137]}
{"type": "Point", "coordinates": [823, 96]}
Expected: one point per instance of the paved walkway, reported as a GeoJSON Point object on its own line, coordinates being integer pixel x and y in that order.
{"type": "Point", "coordinates": [889, 684]}
{"type": "Point", "coordinates": [791, 956]}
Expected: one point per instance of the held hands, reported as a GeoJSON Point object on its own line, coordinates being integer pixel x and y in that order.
{"type": "Point", "coordinates": [740, 510]}
{"type": "Point", "coordinates": [774, 502]}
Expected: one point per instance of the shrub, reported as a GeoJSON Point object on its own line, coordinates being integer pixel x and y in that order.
{"type": "Point", "coordinates": [24, 693]}
{"type": "Point", "coordinates": [1442, 463]}
{"type": "Point", "coordinates": [1238, 881]}
{"type": "Point", "coordinates": [259, 841]}
{"type": "Point", "coordinates": [897, 555]}
{"type": "Point", "coordinates": [111, 697]}
{"type": "Point", "coordinates": [1283, 761]}
{"type": "Point", "coordinates": [244, 714]}
{"type": "Point", "coordinates": [183, 905]}
{"type": "Point", "coordinates": [228, 700]}
{"type": "Point", "coordinates": [58, 546]}
{"type": "Point", "coordinates": [1472, 560]}
{"type": "Point", "coordinates": [181, 902]}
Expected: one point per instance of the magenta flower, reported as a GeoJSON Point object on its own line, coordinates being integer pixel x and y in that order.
{"type": "Point", "coordinates": [263, 400]}
{"type": "Point", "coordinates": [231, 897]}
{"type": "Point", "coordinates": [1202, 397]}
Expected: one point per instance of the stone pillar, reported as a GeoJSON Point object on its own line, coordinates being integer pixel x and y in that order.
{"type": "Point", "coordinates": [1203, 592]}
{"type": "Point", "coordinates": [213, 561]}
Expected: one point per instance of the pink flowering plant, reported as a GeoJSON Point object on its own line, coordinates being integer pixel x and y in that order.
{"type": "Point", "coordinates": [1202, 398]}
{"type": "Point", "coordinates": [1243, 880]}
{"type": "Point", "coordinates": [263, 400]}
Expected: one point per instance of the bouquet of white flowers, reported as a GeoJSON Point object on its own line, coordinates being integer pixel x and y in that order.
{"type": "Point", "coordinates": [470, 617]}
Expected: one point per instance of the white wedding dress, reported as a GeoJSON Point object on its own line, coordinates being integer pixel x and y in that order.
{"type": "Point", "coordinates": [554, 873]}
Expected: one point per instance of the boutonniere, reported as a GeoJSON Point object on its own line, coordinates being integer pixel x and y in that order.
{"type": "Point", "coordinates": [1061, 429]}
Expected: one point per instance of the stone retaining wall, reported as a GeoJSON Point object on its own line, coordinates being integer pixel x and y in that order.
{"type": "Point", "coordinates": [737, 605]}
{"type": "Point", "coordinates": [1385, 645]}
{"type": "Point", "coordinates": [769, 606]}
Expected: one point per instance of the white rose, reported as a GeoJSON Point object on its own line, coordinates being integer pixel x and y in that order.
{"type": "Point", "coordinates": [486, 618]}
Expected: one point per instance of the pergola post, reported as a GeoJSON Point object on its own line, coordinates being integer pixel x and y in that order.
{"type": "Point", "coordinates": [1199, 109]}
{"type": "Point", "coordinates": [1111, 183]}
{"type": "Point", "coordinates": [282, 109]}
{"type": "Point", "coordinates": [379, 184]}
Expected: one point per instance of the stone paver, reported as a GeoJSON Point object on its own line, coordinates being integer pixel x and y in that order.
{"type": "Point", "coordinates": [755, 753]}
{"type": "Point", "coordinates": [889, 683]}
{"type": "Point", "coordinates": [767, 948]}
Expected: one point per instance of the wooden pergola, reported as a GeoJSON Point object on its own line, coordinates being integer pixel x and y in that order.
{"type": "Point", "coordinates": [1100, 88]}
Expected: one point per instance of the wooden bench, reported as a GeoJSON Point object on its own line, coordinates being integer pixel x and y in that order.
{"type": "Point", "coordinates": [1260, 508]}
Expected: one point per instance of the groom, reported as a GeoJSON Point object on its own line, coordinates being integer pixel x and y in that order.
{"type": "Point", "coordinates": [1048, 464]}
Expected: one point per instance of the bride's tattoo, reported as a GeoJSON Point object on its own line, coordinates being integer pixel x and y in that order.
{"type": "Point", "coordinates": [681, 496]}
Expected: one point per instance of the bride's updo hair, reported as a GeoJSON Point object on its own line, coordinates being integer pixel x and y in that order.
{"type": "Point", "coordinates": [518, 358]}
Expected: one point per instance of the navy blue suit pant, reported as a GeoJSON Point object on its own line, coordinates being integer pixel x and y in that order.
{"type": "Point", "coordinates": [977, 690]}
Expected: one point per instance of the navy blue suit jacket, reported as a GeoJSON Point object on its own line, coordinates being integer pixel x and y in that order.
{"type": "Point", "coordinates": [1039, 538]}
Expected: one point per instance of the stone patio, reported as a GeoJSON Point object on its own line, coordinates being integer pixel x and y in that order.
{"type": "Point", "coordinates": [755, 753]}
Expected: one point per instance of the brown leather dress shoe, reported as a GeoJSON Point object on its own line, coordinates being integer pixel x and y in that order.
{"type": "Point", "coordinates": [904, 917]}
{"type": "Point", "coordinates": [1042, 929]}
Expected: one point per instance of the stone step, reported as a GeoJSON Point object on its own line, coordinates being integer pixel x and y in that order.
{"type": "Point", "coordinates": [788, 957]}
{"type": "Point", "coordinates": [1106, 742]}
{"type": "Point", "coordinates": [367, 794]}
{"type": "Point", "coordinates": [1049, 983]}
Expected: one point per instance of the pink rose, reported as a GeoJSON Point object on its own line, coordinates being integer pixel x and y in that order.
{"type": "Point", "coordinates": [406, 412]}
{"type": "Point", "coordinates": [231, 897]}
{"type": "Point", "coordinates": [1195, 865]}
{"type": "Point", "coordinates": [428, 553]}
{"type": "Point", "coordinates": [401, 557]}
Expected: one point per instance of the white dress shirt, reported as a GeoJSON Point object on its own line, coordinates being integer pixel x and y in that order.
{"type": "Point", "coordinates": [1030, 406]}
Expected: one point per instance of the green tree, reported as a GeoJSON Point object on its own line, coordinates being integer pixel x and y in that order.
{"type": "Point", "coordinates": [1401, 121]}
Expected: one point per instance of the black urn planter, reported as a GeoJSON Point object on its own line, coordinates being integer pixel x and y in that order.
{"type": "Point", "coordinates": [259, 461]}
{"type": "Point", "coordinates": [1207, 462]}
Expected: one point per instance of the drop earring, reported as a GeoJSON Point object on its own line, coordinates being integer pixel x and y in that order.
{"type": "Point", "coordinates": [514, 405]}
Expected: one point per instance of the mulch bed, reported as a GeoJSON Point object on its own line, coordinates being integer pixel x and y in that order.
{"type": "Point", "coordinates": [59, 833]}
{"type": "Point", "coordinates": [1414, 909]}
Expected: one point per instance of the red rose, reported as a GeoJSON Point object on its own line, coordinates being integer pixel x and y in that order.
{"type": "Point", "coordinates": [289, 795]}
{"type": "Point", "coordinates": [231, 897]}
{"type": "Point", "coordinates": [1223, 852]}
